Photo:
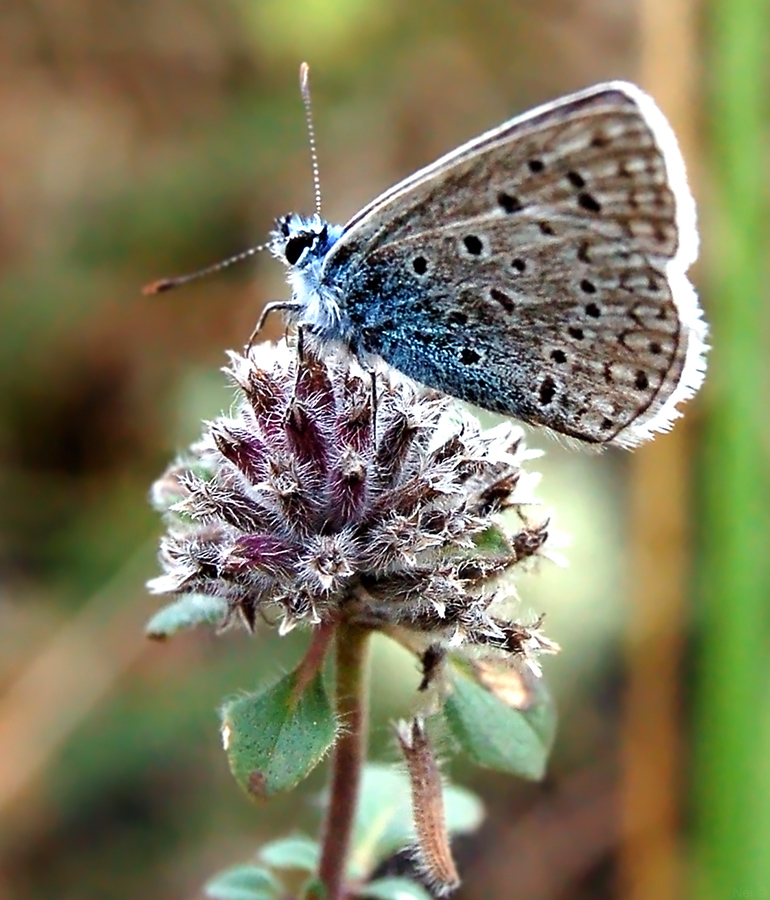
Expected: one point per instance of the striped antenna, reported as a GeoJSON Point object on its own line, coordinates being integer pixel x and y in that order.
{"type": "Point", "coordinates": [167, 284]}
{"type": "Point", "coordinates": [304, 86]}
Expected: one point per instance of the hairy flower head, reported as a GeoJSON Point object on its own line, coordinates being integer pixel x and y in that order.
{"type": "Point", "coordinates": [312, 503]}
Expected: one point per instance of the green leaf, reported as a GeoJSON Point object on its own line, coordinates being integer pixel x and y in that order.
{"type": "Point", "coordinates": [496, 734]}
{"type": "Point", "coordinates": [276, 737]}
{"type": "Point", "coordinates": [296, 852]}
{"type": "Point", "coordinates": [313, 890]}
{"type": "Point", "coordinates": [243, 883]}
{"type": "Point", "coordinates": [394, 889]}
{"type": "Point", "coordinates": [186, 612]}
{"type": "Point", "coordinates": [384, 817]}
{"type": "Point", "coordinates": [492, 541]}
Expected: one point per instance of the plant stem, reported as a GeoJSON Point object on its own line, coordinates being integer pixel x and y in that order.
{"type": "Point", "coordinates": [731, 741]}
{"type": "Point", "coordinates": [314, 658]}
{"type": "Point", "coordinates": [347, 757]}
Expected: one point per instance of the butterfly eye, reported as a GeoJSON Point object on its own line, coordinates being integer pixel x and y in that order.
{"type": "Point", "coordinates": [296, 245]}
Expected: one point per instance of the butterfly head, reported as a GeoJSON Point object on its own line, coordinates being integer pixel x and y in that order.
{"type": "Point", "coordinates": [302, 244]}
{"type": "Point", "coordinates": [299, 241]}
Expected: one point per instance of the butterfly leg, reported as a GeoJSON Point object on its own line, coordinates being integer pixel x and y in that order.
{"type": "Point", "coordinates": [373, 404]}
{"type": "Point", "coordinates": [269, 308]}
{"type": "Point", "coordinates": [300, 346]}
{"type": "Point", "coordinates": [298, 373]}
{"type": "Point", "coordinates": [300, 358]}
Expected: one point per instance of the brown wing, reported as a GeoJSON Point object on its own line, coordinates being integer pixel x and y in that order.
{"type": "Point", "coordinates": [565, 233]}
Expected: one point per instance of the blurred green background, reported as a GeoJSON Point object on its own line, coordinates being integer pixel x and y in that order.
{"type": "Point", "coordinates": [146, 139]}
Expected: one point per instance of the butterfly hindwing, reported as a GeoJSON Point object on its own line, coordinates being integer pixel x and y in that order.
{"type": "Point", "coordinates": [537, 271]}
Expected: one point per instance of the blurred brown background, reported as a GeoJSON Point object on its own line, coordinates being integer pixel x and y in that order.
{"type": "Point", "coordinates": [146, 139]}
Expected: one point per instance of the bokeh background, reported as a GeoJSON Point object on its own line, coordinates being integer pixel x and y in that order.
{"type": "Point", "coordinates": [144, 139]}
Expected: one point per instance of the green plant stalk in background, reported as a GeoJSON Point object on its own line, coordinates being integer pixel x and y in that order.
{"type": "Point", "coordinates": [732, 732]}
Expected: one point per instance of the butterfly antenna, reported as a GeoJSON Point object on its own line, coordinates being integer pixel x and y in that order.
{"type": "Point", "coordinates": [304, 86]}
{"type": "Point", "coordinates": [166, 284]}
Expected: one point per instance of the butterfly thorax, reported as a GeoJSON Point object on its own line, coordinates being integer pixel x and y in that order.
{"type": "Point", "coordinates": [302, 244]}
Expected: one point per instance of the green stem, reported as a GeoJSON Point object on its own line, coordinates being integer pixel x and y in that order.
{"type": "Point", "coordinates": [347, 757]}
{"type": "Point", "coordinates": [731, 778]}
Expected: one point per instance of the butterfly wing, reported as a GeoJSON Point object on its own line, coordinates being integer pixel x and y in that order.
{"type": "Point", "coordinates": [539, 270]}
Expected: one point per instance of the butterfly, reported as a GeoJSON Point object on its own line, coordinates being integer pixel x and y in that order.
{"type": "Point", "coordinates": [537, 271]}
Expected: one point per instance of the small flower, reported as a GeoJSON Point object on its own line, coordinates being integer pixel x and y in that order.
{"type": "Point", "coordinates": [294, 511]}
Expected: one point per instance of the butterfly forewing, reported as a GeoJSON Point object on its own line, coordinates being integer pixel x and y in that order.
{"type": "Point", "coordinates": [539, 270]}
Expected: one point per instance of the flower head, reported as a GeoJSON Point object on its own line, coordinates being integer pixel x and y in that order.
{"type": "Point", "coordinates": [312, 503]}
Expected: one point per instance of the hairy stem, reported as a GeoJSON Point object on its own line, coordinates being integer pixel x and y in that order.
{"type": "Point", "coordinates": [347, 757]}
{"type": "Point", "coordinates": [314, 657]}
